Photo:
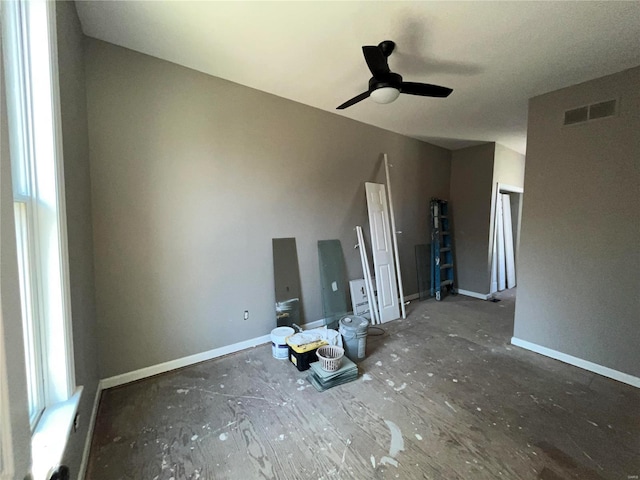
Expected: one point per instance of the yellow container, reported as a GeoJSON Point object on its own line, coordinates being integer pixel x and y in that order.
{"type": "Point", "coordinates": [303, 355]}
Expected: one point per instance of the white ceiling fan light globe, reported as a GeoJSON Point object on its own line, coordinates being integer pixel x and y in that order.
{"type": "Point", "coordinates": [385, 94]}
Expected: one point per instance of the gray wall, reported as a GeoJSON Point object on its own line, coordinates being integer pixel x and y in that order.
{"type": "Point", "coordinates": [579, 279]}
{"type": "Point", "coordinates": [192, 176]}
{"type": "Point", "coordinates": [508, 166]}
{"type": "Point", "coordinates": [78, 208]}
{"type": "Point", "coordinates": [471, 207]}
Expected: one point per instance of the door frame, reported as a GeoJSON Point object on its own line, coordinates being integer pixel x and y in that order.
{"type": "Point", "coordinates": [504, 188]}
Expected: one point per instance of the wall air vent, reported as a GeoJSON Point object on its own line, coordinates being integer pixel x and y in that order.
{"type": "Point", "coordinates": [590, 112]}
{"type": "Point", "coordinates": [602, 109]}
{"type": "Point", "coordinates": [577, 115]}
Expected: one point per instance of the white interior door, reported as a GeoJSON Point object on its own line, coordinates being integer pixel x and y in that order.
{"type": "Point", "coordinates": [508, 241]}
{"type": "Point", "coordinates": [494, 260]}
{"type": "Point", "coordinates": [502, 281]}
{"type": "Point", "coordinates": [383, 264]}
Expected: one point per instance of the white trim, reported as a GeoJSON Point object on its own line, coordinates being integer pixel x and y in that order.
{"type": "Point", "coordinates": [87, 443]}
{"type": "Point", "coordinates": [63, 242]}
{"type": "Point", "coordinates": [481, 296]}
{"type": "Point", "coordinates": [145, 372]}
{"type": "Point", "coordinates": [578, 362]}
{"type": "Point", "coordinates": [366, 273]}
{"type": "Point", "coordinates": [394, 237]}
{"type": "Point", "coordinates": [181, 362]}
{"type": "Point", "coordinates": [50, 438]}
{"type": "Point", "coordinates": [53, 273]}
{"type": "Point", "coordinates": [503, 187]}
{"type": "Point", "coordinates": [48, 257]}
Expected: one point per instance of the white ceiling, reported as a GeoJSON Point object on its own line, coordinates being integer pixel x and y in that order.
{"type": "Point", "coordinates": [495, 55]}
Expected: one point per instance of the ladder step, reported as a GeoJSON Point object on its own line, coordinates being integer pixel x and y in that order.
{"type": "Point", "coordinates": [446, 265]}
{"type": "Point", "coordinates": [445, 249]}
{"type": "Point", "coordinates": [446, 282]}
{"type": "Point", "coordinates": [446, 232]}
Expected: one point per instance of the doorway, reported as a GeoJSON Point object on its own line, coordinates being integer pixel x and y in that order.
{"type": "Point", "coordinates": [506, 237]}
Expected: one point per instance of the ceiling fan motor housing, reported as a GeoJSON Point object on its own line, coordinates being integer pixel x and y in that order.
{"type": "Point", "coordinates": [392, 80]}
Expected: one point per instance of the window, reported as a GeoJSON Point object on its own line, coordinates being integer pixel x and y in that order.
{"type": "Point", "coordinates": [38, 193]}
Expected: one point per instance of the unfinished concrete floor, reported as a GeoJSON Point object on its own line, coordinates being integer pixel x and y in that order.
{"type": "Point", "coordinates": [442, 395]}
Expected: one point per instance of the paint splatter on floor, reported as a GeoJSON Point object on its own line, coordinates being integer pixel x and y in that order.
{"type": "Point", "coordinates": [223, 436]}
{"type": "Point", "coordinates": [450, 406]}
{"type": "Point", "coordinates": [366, 377]}
{"type": "Point", "coordinates": [397, 442]}
{"type": "Point", "coordinates": [418, 436]}
{"type": "Point", "coordinates": [388, 461]}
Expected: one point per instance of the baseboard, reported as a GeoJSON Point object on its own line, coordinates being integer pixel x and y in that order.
{"type": "Point", "coordinates": [481, 296]}
{"type": "Point", "coordinates": [409, 298]}
{"type": "Point", "coordinates": [87, 443]}
{"type": "Point", "coordinates": [578, 362]}
{"type": "Point", "coordinates": [132, 376]}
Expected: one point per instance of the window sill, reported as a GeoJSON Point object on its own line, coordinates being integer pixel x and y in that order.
{"type": "Point", "coordinates": [49, 439]}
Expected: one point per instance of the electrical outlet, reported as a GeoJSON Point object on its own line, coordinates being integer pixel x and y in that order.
{"type": "Point", "coordinates": [246, 314]}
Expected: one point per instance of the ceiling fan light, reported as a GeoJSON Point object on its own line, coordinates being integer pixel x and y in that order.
{"type": "Point", "coordinates": [385, 94]}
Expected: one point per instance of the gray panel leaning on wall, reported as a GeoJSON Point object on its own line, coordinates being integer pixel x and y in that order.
{"type": "Point", "coordinates": [333, 281]}
{"type": "Point", "coordinates": [286, 275]}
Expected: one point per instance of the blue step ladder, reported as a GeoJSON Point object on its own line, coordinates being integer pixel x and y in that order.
{"type": "Point", "coordinates": [441, 250]}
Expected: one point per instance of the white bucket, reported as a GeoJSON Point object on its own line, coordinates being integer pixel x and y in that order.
{"type": "Point", "coordinates": [279, 347]}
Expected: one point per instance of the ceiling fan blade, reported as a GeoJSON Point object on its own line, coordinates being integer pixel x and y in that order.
{"type": "Point", "coordinates": [376, 61]}
{"type": "Point", "coordinates": [354, 100]}
{"type": "Point", "coordinates": [425, 89]}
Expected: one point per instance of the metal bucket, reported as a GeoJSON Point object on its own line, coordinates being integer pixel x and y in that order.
{"type": "Point", "coordinates": [353, 329]}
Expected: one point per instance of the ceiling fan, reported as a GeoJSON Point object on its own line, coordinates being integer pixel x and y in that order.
{"type": "Point", "coordinates": [385, 86]}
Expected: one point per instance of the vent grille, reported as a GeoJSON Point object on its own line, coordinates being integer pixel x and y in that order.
{"type": "Point", "coordinates": [602, 109]}
{"type": "Point", "coordinates": [590, 112]}
{"type": "Point", "coordinates": [577, 115]}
